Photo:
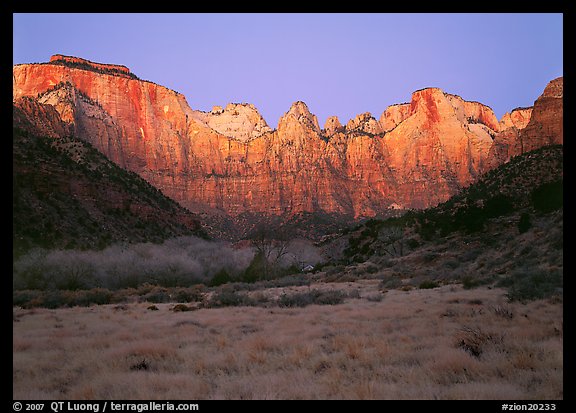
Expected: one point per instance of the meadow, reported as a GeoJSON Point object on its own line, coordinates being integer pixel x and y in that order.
{"type": "Point", "coordinates": [437, 343]}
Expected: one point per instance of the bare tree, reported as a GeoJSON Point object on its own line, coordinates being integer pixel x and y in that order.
{"type": "Point", "coordinates": [271, 246]}
{"type": "Point", "coordinates": [392, 241]}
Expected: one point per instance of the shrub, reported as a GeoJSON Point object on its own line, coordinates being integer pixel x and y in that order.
{"type": "Point", "coordinates": [85, 298]}
{"type": "Point", "coordinates": [297, 299]}
{"type": "Point", "coordinates": [412, 243]}
{"type": "Point", "coordinates": [376, 297]}
{"type": "Point", "coordinates": [287, 281]}
{"type": "Point", "coordinates": [371, 269]}
{"type": "Point", "coordinates": [470, 218]}
{"type": "Point", "coordinates": [255, 270]}
{"type": "Point", "coordinates": [157, 295]}
{"type": "Point", "coordinates": [430, 256]}
{"type": "Point", "coordinates": [331, 297]}
{"type": "Point", "coordinates": [474, 340]}
{"type": "Point", "coordinates": [353, 294]}
{"type": "Point", "coordinates": [187, 295]}
{"type": "Point", "coordinates": [548, 197]}
{"type": "Point", "coordinates": [390, 282]}
{"type": "Point", "coordinates": [335, 269]}
{"type": "Point", "coordinates": [428, 284]}
{"type": "Point", "coordinates": [533, 284]}
{"type": "Point", "coordinates": [23, 298]}
{"type": "Point", "coordinates": [470, 282]}
{"type": "Point", "coordinates": [426, 230]}
{"type": "Point", "coordinates": [228, 298]}
{"type": "Point", "coordinates": [524, 224]}
{"type": "Point", "coordinates": [503, 312]}
{"type": "Point", "coordinates": [451, 264]}
{"type": "Point", "coordinates": [52, 299]}
{"type": "Point", "coordinates": [497, 206]}
{"type": "Point", "coordinates": [221, 277]}
{"type": "Point", "coordinates": [144, 289]}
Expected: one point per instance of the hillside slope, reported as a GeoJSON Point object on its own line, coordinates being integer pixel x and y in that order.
{"type": "Point", "coordinates": [66, 194]}
{"type": "Point", "coordinates": [505, 229]}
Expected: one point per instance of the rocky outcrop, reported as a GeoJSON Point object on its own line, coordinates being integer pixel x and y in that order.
{"type": "Point", "coordinates": [229, 162]}
{"type": "Point", "coordinates": [434, 152]}
{"type": "Point", "coordinates": [84, 63]}
{"type": "Point", "coordinates": [517, 118]}
{"type": "Point", "coordinates": [299, 115]}
{"type": "Point", "coordinates": [394, 115]}
{"type": "Point", "coordinates": [526, 129]}
{"type": "Point", "coordinates": [150, 119]}
{"type": "Point", "coordinates": [364, 122]}
{"type": "Point", "coordinates": [333, 126]}
{"type": "Point", "coordinates": [546, 124]}
{"type": "Point", "coordinates": [474, 112]}
{"type": "Point", "coordinates": [507, 142]}
{"type": "Point", "coordinates": [42, 120]}
{"type": "Point", "coordinates": [240, 121]}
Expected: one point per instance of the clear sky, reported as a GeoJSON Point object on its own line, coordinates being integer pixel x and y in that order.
{"type": "Point", "coordinates": [339, 64]}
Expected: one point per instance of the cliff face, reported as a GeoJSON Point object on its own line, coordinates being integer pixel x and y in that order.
{"type": "Point", "coordinates": [394, 115]}
{"type": "Point", "coordinates": [136, 111]}
{"type": "Point", "coordinates": [43, 120]}
{"type": "Point", "coordinates": [237, 120]}
{"type": "Point", "coordinates": [507, 142]}
{"type": "Point", "coordinates": [77, 61]}
{"type": "Point", "coordinates": [518, 118]}
{"type": "Point", "coordinates": [229, 161]}
{"type": "Point", "coordinates": [526, 129]}
{"type": "Point", "coordinates": [332, 126]}
{"type": "Point", "coordinates": [364, 122]}
{"type": "Point", "coordinates": [546, 124]}
{"type": "Point", "coordinates": [435, 150]}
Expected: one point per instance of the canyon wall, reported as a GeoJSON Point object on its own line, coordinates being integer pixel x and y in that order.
{"type": "Point", "coordinates": [230, 161]}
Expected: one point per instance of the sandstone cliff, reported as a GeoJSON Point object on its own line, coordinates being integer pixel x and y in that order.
{"type": "Point", "coordinates": [394, 115]}
{"type": "Point", "coordinates": [364, 122]}
{"type": "Point", "coordinates": [526, 129]}
{"type": "Point", "coordinates": [507, 142]}
{"type": "Point", "coordinates": [228, 161]}
{"type": "Point", "coordinates": [546, 124]}
{"type": "Point", "coordinates": [517, 118]}
{"type": "Point", "coordinates": [332, 126]}
{"type": "Point", "coordinates": [87, 64]}
{"type": "Point", "coordinates": [237, 120]}
{"type": "Point", "coordinates": [435, 150]}
{"type": "Point", "coordinates": [43, 120]}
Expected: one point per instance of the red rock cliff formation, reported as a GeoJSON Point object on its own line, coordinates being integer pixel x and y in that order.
{"type": "Point", "coordinates": [58, 58]}
{"type": "Point", "coordinates": [507, 142]}
{"type": "Point", "coordinates": [526, 129]}
{"type": "Point", "coordinates": [435, 151]}
{"type": "Point", "coordinates": [546, 125]}
{"type": "Point", "coordinates": [433, 146]}
{"type": "Point", "coordinates": [518, 118]}
{"type": "Point", "coordinates": [38, 119]}
{"type": "Point", "coordinates": [394, 115]}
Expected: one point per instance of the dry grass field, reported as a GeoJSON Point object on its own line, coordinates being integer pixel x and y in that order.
{"type": "Point", "coordinates": [442, 343]}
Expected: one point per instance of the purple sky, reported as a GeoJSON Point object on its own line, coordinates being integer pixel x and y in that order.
{"type": "Point", "coordinates": [339, 64]}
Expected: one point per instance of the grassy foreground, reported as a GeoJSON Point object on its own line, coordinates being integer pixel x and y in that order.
{"type": "Point", "coordinates": [440, 343]}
